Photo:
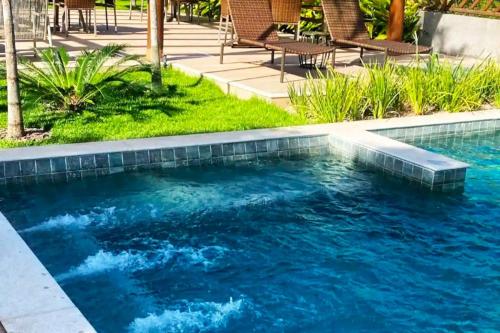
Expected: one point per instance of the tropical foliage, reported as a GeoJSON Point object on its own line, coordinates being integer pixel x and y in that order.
{"type": "Point", "coordinates": [60, 85]}
{"type": "Point", "coordinates": [377, 15]}
{"type": "Point", "coordinates": [390, 90]}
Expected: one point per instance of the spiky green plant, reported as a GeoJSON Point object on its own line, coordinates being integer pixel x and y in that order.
{"type": "Point", "coordinates": [415, 89]}
{"type": "Point", "coordinates": [59, 85]}
{"type": "Point", "coordinates": [383, 90]}
{"type": "Point", "coordinates": [330, 97]}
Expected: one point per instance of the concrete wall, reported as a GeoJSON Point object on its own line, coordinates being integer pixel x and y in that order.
{"type": "Point", "coordinates": [461, 35]}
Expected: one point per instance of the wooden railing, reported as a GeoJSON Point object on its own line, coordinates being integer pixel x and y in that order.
{"type": "Point", "coordinates": [476, 7]}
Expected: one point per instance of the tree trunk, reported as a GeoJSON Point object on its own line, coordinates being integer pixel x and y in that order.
{"type": "Point", "coordinates": [15, 128]}
{"type": "Point", "coordinates": [396, 20]}
{"type": "Point", "coordinates": [155, 50]}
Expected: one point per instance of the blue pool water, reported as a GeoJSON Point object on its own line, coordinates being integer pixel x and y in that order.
{"type": "Point", "coordinates": [290, 246]}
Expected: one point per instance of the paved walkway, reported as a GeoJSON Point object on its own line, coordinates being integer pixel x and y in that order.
{"type": "Point", "coordinates": [194, 48]}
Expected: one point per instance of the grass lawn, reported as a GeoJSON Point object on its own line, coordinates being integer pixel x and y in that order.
{"type": "Point", "coordinates": [187, 105]}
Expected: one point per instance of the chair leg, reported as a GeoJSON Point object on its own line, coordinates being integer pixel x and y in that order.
{"type": "Point", "coordinates": [220, 29]}
{"type": "Point", "coordinates": [66, 21]}
{"type": "Point", "coordinates": [222, 53]}
{"type": "Point", "coordinates": [106, 14]}
{"type": "Point", "coordinates": [282, 75]}
{"type": "Point", "coordinates": [272, 56]}
{"type": "Point", "coordinates": [142, 9]}
{"type": "Point", "coordinates": [95, 22]}
{"type": "Point", "coordinates": [114, 14]}
{"type": "Point", "coordinates": [361, 51]}
{"type": "Point", "coordinates": [334, 53]}
{"type": "Point", "coordinates": [226, 30]}
{"type": "Point", "coordinates": [130, 11]}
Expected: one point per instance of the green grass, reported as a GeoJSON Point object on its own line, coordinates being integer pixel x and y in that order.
{"type": "Point", "coordinates": [187, 105]}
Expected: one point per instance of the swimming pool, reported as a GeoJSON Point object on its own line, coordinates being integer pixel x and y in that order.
{"type": "Point", "coordinates": [304, 246]}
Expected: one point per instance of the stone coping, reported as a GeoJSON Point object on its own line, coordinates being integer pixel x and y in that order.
{"type": "Point", "coordinates": [50, 151]}
{"type": "Point", "coordinates": [370, 142]}
{"type": "Point", "coordinates": [31, 300]}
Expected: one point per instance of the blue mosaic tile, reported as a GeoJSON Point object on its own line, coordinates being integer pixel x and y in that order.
{"type": "Point", "coordinates": [261, 146]}
{"type": "Point", "coordinates": [142, 157]}
{"type": "Point", "coordinates": [293, 143]}
{"type": "Point", "coordinates": [28, 168]}
{"type": "Point", "coordinates": [167, 155]}
{"type": "Point", "coordinates": [155, 156]}
{"type": "Point", "coordinates": [250, 147]}
{"type": "Point", "coordinates": [427, 176]}
{"type": "Point", "coordinates": [87, 162]}
{"type": "Point", "coordinates": [417, 172]}
{"type": "Point", "coordinates": [43, 166]}
{"type": "Point", "coordinates": [272, 146]}
{"type": "Point", "coordinates": [12, 169]}
{"type": "Point", "coordinates": [227, 149]}
{"type": "Point", "coordinates": [128, 158]}
{"type": "Point", "coordinates": [407, 169]}
{"type": "Point", "coordinates": [205, 152]}
{"type": "Point", "coordinates": [216, 150]}
{"type": "Point", "coordinates": [101, 161]}
{"type": "Point", "coordinates": [73, 163]}
{"type": "Point", "coordinates": [115, 160]}
{"type": "Point", "coordinates": [192, 152]}
{"type": "Point", "coordinates": [239, 148]}
{"type": "Point", "coordinates": [58, 164]}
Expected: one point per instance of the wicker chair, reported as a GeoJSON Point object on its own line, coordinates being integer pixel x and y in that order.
{"type": "Point", "coordinates": [81, 5]}
{"type": "Point", "coordinates": [254, 26]}
{"type": "Point", "coordinates": [287, 12]}
{"type": "Point", "coordinates": [347, 29]}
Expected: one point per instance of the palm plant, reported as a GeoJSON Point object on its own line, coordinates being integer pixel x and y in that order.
{"type": "Point", "coordinates": [60, 86]}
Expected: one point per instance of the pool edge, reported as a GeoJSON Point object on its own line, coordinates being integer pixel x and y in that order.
{"type": "Point", "coordinates": [32, 301]}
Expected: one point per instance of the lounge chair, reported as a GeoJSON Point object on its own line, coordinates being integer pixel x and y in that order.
{"type": "Point", "coordinates": [347, 29]}
{"type": "Point", "coordinates": [254, 26]}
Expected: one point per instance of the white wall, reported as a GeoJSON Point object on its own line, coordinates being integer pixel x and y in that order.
{"type": "Point", "coordinates": [461, 35]}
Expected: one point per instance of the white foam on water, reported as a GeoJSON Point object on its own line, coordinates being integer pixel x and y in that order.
{"type": "Point", "coordinates": [73, 221]}
{"type": "Point", "coordinates": [133, 261]}
{"type": "Point", "coordinates": [195, 317]}
{"type": "Point", "coordinates": [104, 261]}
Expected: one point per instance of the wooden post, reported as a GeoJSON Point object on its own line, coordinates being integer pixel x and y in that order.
{"type": "Point", "coordinates": [396, 20]}
{"type": "Point", "coordinates": [160, 10]}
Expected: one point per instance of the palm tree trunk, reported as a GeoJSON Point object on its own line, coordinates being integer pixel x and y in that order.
{"type": "Point", "coordinates": [155, 50]}
{"type": "Point", "coordinates": [15, 128]}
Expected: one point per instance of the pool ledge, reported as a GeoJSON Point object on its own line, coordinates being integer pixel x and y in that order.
{"type": "Point", "coordinates": [371, 142]}
{"type": "Point", "coordinates": [31, 300]}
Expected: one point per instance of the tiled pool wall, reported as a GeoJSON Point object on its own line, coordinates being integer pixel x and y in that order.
{"type": "Point", "coordinates": [69, 167]}
{"type": "Point", "coordinates": [92, 165]}
{"type": "Point", "coordinates": [441, 180]}
{"type": "Point", "coordinates": [428, 132]}
{"type": "Point", "coordinates": [436, 180]}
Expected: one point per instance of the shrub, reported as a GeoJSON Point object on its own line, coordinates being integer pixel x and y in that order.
{"type": "Point", "coordinates": [59, 86]}
{"type": "Point", "coordinates": [383, 90]}
{"type": "Point", "coordinates": [331, 97]}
